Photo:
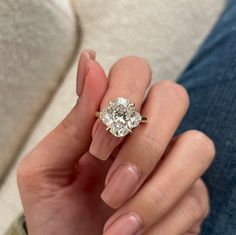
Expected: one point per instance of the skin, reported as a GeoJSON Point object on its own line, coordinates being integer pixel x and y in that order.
{"type": "Point", "coordinates": [61, 180]}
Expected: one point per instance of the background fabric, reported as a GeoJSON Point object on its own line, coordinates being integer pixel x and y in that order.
{"type": "Point", "coordinates": [38, 40]}
{"type": "Point", "coordinates": [211, 83]}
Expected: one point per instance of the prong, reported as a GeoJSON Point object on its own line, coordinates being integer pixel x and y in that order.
{"type": "Point", "coordinates": [97, 114]}
{"type": "Point", "coordinates": [130, 131]}
{"type": "Point", "coordinates": [108, 128]}
{"type": "Point", "coordinates": [132, 104]}
{"type": "Point", "coordinates": [144, 119]}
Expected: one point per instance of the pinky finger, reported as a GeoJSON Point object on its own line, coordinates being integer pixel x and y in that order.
{"type": "Point", "coordinates": [195, 229]}
{"type": "Point", "coordinates": [186, 217]}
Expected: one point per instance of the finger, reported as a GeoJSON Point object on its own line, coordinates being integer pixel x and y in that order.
{"type": "Point", "coordinates": [165, 106]}
{"type": "Point", "coordinates": [187, 215]}
{"type": "Point", "coordinates": [129, 78]}
{"type": "Point", "coordinates": [185, 162]}
{"type": "Point", "coordinates": [62, 148]}
{"type": "Point", "coordinates": [195, 229]}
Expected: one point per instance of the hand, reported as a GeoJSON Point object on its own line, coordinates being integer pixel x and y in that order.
{"type": "Point", "coordinates": [154, 180]}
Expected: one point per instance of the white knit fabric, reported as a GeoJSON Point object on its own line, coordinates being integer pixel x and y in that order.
{"type": "Point", "coordinates": [37, 41]}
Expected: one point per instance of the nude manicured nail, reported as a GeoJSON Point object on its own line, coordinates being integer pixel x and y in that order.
{"type": "Point", "coordinates": [121, 185]}
{"type": "Point", "coordinates": [85, 57]}
{"type": "Point", "coordinates": [128, 224]}
{"type": "Point", "coordinates": [103, 142]}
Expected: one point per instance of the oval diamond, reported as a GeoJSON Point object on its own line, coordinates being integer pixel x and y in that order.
{"type": "Point", "coordinates": [120, 117]}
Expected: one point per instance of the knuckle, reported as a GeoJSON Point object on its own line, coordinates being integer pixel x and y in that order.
{"type": "Point", "coordinates": [153, 142]}
{"type": "Point", "coordinates": [196, 211]}
{"type": "Point", "coordinates": [157, 198]}
{"type": "Point", "coordinates": [203, 143]}
{"type": "Point", "coordinates": [133, 62]}
{"type": "Point", "coordinates": [29, 173]}
{"type": "Point", "coordinates": [195, 208]}
{"type": "Point", "coordinates": [67, 126]}
{"type": "Point", "coordinates": [203, 197]}
{"type": "Point", "coordinates": [175, 90]}
{"type": "Point", "coordinates": [36, 180]}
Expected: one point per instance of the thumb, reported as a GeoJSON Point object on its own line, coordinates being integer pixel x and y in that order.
{"type": "Point", "coordinates": [63, 147]}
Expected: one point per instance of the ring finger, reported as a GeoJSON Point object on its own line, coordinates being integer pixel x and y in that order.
{"type": "Point", "coordinates": [128, 78]}
{"type": "Point", "coordinates": [165, 106]}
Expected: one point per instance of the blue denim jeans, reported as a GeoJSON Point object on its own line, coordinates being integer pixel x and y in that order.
{"type": "Point", "coordinates": [211, 82]}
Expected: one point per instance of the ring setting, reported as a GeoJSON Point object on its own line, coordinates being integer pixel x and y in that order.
{"type": "Point", "coordinates": [120, 117]}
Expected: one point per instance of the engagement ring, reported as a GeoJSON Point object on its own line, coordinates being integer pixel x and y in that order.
{"type": "Point", "coordinates": [120, 117]}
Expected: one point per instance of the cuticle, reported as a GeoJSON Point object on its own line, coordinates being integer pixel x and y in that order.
{"type": "Point", "coordinates": [139, 218]}
{"type": "Point", "coordinates": [135, 214]}
{"type": "Point", "coordinates": [135, 167]}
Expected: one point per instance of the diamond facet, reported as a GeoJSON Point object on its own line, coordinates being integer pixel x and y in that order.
{"type": "Point", "coordinates": [120, 117]}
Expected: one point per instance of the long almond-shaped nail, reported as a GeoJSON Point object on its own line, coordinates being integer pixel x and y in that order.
{"type": "Point", "coordinates": [103, 142]}
{"type": "Point", "coordinates": [85, 56]}
{"type": "Point", "coordinates": [128, 224]}
{"type": "Point", "coordinates": [121, 184]}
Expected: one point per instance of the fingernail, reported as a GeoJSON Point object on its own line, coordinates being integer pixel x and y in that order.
{"type": "Point", "coordinates": [121, 184]}
{"type": "Point", "coordinates": [83, 66]}
{"type": "Point", "coordinates": [128, 224]}
{"type": "Point", "coordinates": [103, 142]}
